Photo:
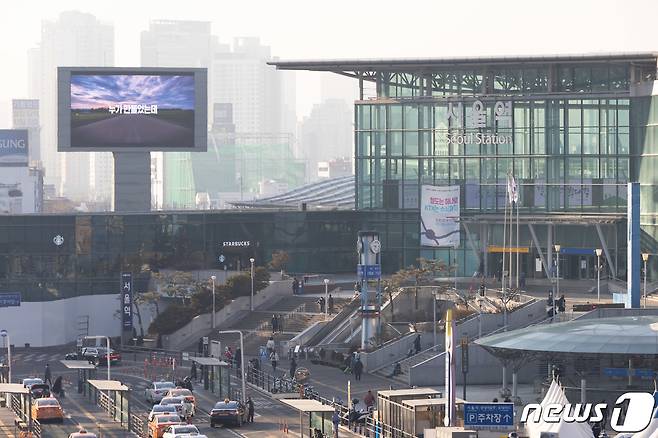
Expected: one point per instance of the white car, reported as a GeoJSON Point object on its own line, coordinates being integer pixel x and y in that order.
{"type": "Point", "coordinates": [157, 390]}
{"type": "Point", "coordinates": [27, 383]}
{"type": "Point", "coordinates": [162, 409]}
{"type": "Point", "coordinates": [184, 408]}
{"type": "Point", "coordinates": [82, 434]}
{"type": "Point", "coordinates": [186, 394]}
{"type": "Point", "coordinates": [181, 430]}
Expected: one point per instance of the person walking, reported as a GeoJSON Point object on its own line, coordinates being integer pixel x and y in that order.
{"type": "Point", "coordinates": [279, 323]}
{"type": "Point", "coordinates": [274, 358]}
{"type": "Point", "coordinates": [200, 346]}
{"type": "Point", "coordinates": [293, 368]}
{"type": "Point", "coordinates": [335, 420]}
{"type": "Point", "coordinates": [417, 343]}
{"type": "Point", "coordinates": [274, 323]}
{"type": "Point", "coordinates": [238, 357]}
{"type": "Point", "coordinates": [193, 374]}
{"type": "Point", "coordinates": [331, 304]}
{"type": "Point", "coordinates": [295, 286]}
{"type": "Point", "coordinates": [48, 376]}
{"type": "Point", "coordinates": [250, 410]}
{"type": "Point", "coordinates": [270, 345]}
{"type": "Point", "coordinates": [358, 369]}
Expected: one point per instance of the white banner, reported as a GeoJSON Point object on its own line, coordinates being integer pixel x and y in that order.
{"type": "Point", "coordinates": [439, 216]}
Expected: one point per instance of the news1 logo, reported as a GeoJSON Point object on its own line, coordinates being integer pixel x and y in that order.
{"type": "Point", "coordinates": [639, 411]}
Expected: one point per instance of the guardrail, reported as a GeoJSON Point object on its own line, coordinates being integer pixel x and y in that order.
{"type": "Point", "coordinates": [137, 425]}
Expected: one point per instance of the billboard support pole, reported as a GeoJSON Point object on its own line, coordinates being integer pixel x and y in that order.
{"type": "Point", "coordinates": [132, 181]}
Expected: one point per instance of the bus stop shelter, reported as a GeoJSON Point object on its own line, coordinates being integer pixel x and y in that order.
{"type": "Point", "coordinates": [319, 415]}
{"type": "Point", "coordinates": [19, 400]}
{"type": "Point", "coordinates": [428, 413]}
{"type": "Point", "coordinates": [216, 375]}
{"type": "Point", "coordinates": [85, 370]}
{"type": "Point", "coordinates": [113, 397]}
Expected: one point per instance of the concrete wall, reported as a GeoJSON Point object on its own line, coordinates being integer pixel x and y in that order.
{"type": "Point", "coordinates": [201, 324]}
{"type": "Point", "coordinates": [56, 322]}
{"type": "Point", "coordinates": [483, 367]}
{"type": "Point", "coordinates": [393, 351]}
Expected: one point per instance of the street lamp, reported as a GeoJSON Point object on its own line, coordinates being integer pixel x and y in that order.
{"type": "Point", "coordinates": [557, 269]}
{"type": "Point", "coordinates": [213, 278]}
{"type": "Point", "coordinates": [326, 297]}
{"type": "Point", "coordinates": [599, 251]}
{"type": "Point", "coordinates": [5, 334]}
{"type": "Point", "coordinates": [222, 332]}
{"type": "Point", "coordinates": [251, 299]}
{"type": "Point", "coordinates": [645, 259]}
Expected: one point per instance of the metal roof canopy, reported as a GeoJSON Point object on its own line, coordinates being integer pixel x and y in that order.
{"type": "Point", "coordinates": [564, 219]}
{"type": "Point", "coordinates": [13, 388]}
{"type": "Point", "coordinates": [108, 385]}
{"type": "Point", "coordinates": [430, 402]}
{"type": "Point", "coordinates": [305, 405]}
{"type": "Point", "coordinates": [78, 365]}
{"type": "Point", "coordinates": [416, 64]}
{"type": "Point", "coordinates": [411, 391]}
{"type": "Point", "coordinates": [209, 361]}
{"type": "Point", "coordinates": [630, 335]}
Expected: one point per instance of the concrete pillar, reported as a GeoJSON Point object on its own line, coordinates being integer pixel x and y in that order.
{"type": "Point", "coordinates": [583, 387]}
{"type": "Point", "coordinates": [504, 377]}
{"type": "Point", "coordinates": [515, 392]}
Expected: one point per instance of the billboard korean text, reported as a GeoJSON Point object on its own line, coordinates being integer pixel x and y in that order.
{"type": "Point", "coordinates": [13, 147]}
{"type": "Point", "coordinates": [439, 216]}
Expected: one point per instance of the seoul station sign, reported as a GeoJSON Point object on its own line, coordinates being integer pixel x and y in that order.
{"type": "Point", "coordinates": [478, 118]}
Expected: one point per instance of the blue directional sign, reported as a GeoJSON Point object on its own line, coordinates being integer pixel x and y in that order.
{"type": "Point", "coordinates": [623, 372]}
{"type": "Point", "coordinates": [369, 271]}
{"type": "Point", "coordinates": [11, 299]}
{"type": "Point", "coordinates": [492, 416]}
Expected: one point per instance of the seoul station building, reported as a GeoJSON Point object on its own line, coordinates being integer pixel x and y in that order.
{"type": "Point", "coordinates": [573, 130]}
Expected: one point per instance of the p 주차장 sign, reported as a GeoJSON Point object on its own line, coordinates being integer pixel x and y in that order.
{"type": "Point", "coordinates": [439, 216]}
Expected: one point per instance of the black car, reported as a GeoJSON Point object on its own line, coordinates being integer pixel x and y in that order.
{"type": "Point", "coordinates": [40, 390]}
{"type": "Point", "coordinates": [228, 412]}
{"type": "Point", "coordinates": [95, 355]}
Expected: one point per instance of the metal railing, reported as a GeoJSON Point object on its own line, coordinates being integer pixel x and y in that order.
{"type": "Point", "coordinates": [138, 425]}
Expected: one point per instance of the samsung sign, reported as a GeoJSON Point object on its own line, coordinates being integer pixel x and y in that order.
{"type": "Point", "coordinates": [13, 147]}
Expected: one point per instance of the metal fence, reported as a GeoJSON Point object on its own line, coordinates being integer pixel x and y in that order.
{"type": "Point", "coordinates": [138, 425]}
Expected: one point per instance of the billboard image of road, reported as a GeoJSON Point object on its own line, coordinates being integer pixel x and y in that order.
{"type": "Point", "coordinates": [132, 110]}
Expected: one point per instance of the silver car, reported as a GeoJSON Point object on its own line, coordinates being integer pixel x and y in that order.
{"type": "Point", "coordinates": [157, 390]}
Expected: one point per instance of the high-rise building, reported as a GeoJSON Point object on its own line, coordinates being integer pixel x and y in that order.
{"type": "Point", "coordinates": [263, 99]}
{"type": "Point", "coordinates": [74, 39]}
{"type": "Point", "coordinates": [25, 115]}
{"type": "Point", "coordinates": [326, 133]}
{"type": "Point", "coordinates": [173, 43]}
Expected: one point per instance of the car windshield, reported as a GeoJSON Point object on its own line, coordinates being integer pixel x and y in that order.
{"type": "Point", "coordinates": [168, 419]}
{"type": "Point", "coordinates": [47, 402]}
{"type": "Point", "coordinates": [30, 382]}
{"type": "Point", "coordinates": [164, 385]}
{"type": "Point", "coordinates": [186, 429]}
{"type": "Point", "coordinates": [171, 401]}
{"type": "Point", "coordinates": [163, 408]}
{"type": "Point", "coordinates": [178, 392]}
{"type": "Point", "coordinates": [224, 405]}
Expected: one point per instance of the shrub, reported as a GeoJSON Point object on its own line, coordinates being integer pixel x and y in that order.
{"type": "Point", "coordinates": [171, 319]}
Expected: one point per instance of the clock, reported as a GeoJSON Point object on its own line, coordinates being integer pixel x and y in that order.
{"type": "Point", "coordinates": [375, 246]}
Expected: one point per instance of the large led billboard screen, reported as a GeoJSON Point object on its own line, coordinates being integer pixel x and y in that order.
{"type": "Point", "coordinates": [115, 109]}
{"type": "Point", "coordinates": [13, 147]}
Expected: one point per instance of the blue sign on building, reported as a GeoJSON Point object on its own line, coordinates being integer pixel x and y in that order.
{"type": "Point", "coordinates": [488, 415]}
{"type": "Point", "coordinates": [11, 299]}
{"type": "Point", "coordinates": [623, 372]}
{"type": "Point", "coordinates": [369, 271]}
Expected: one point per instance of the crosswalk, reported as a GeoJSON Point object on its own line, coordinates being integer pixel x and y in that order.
{"type": "Point", "coordinates": [37, 358]}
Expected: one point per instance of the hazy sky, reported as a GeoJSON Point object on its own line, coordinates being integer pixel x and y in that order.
{"type": "Point", "coordinates": [350, 29]}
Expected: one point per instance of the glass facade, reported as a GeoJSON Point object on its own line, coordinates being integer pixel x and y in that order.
{"type": "Point", "coordinates": [96, 248]}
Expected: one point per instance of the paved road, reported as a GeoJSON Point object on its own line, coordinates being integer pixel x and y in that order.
{"type": "Point", "coordinates": [132, 129]}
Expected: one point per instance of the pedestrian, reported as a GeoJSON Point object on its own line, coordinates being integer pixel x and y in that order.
{"type": "Point", "coordinates": [417, 343]}
{"type": "Point", "coordinates": [57, 387]}
{"type": "Point", "coordinates": [238, 357]}
{"type": "Point", "coordinates": [358, 368]}
{"type": "Point", "coordinates": [369, 399]}
{"type": "Point", "coordinates": [293, 368]}
{"type": "Point", "coordinates": [274, 323]}
{"type": "Point", "coordinates": [295, 286]}
{"type": "Point", "coordinates": [279, 323]}
{"type": "Point", "coordinates": [270, 346]}
{"type": "Point", "coordinates": [561, 304]}
{"type": "Point", "coordinates": [48, 375]}
{"type": "Point", "coordinates": [193, 374]}
{"type": "Point", "coordinates": [274, 357]}
{"type": "Point", "coordinates": [335, 420]}
{"type": "Point", "coordinates": [250, 410]}
{"type": "Point", "coordinates": [200, 346]}
{"type": "Point", "coordinates": [522, 280]}
{"type": "Point", "coordinates": [331, 304]}
{"type": "Point", "coordinates": [228, 354]}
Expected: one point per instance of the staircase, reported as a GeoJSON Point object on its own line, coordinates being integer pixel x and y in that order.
{"type": "Point", "coordinates": [407, 363]}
